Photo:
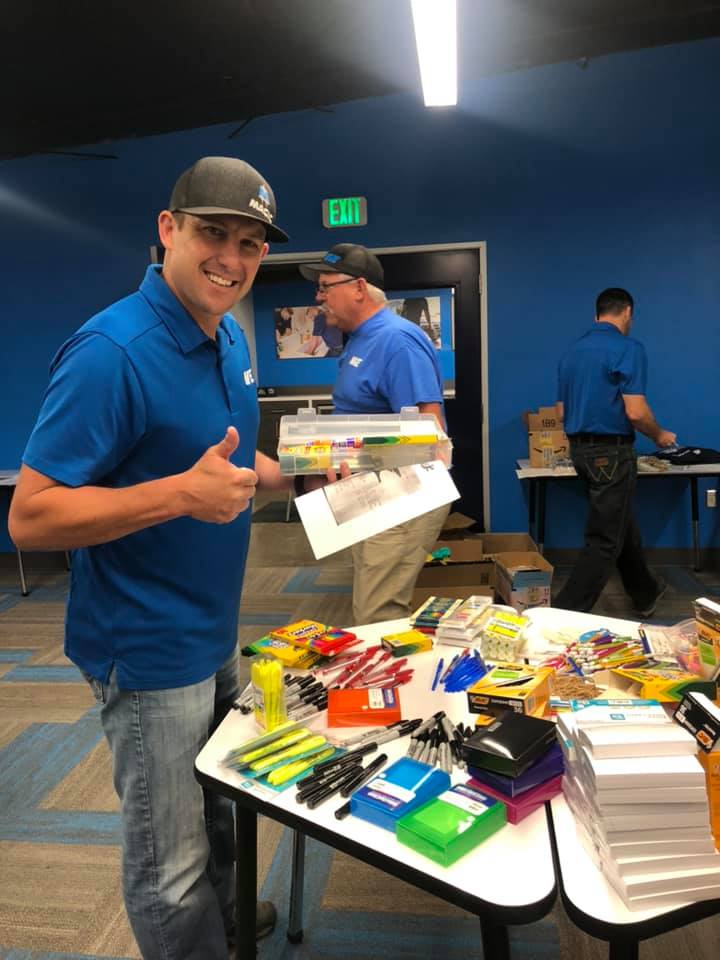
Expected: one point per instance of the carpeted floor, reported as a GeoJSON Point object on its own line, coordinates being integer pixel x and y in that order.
{"type": "Point", "coordinates": [60, 896]}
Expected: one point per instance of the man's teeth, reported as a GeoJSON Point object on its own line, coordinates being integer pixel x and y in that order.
{"type": "Point", "coordinates": [221, 281]}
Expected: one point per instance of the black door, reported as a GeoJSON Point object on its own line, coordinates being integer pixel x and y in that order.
{"type": "Point", "coordinates": [459, 269]}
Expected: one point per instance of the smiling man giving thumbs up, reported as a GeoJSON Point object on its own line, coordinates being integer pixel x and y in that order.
{"type": "Point", "coordinates": [143, 462]}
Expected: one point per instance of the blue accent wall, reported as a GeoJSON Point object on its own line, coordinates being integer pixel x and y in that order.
{"type": "Point", "coordinates": [577, 179]}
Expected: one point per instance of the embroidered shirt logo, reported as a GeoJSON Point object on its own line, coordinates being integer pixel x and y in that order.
{"type": "Point", "coordinates": [248, 378]}
{"type": "Point", "coordinates": [355, 361]}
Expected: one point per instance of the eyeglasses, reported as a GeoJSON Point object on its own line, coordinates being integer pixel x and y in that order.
{"type": "Point", "coordinates": [324, 287]}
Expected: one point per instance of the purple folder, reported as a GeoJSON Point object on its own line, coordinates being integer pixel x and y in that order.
{"type": "Point", "coordinates": [548, 766]}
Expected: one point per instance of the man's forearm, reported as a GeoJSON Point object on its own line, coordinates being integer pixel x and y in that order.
{"type": "Point", "coordinates": [64, 518]}
{"type": "Point", "coordinates": [269, 476]}
{"type": "Point", "coordinates": [648, 425]}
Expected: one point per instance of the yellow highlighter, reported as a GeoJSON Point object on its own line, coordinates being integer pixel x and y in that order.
{"type": "Point", "coordinates": [305, 746]}
{"type": "Point", "coordinates": [241, 759]}
{"type": "Point", "coordinates": [290, 770]}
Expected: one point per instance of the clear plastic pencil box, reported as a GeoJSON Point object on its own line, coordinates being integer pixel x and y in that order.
{"type": "Point", "coordinates": [311, 444]}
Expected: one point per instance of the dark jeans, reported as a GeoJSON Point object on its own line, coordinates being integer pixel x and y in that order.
{"type": "Point", "coordinates": [612, 537]}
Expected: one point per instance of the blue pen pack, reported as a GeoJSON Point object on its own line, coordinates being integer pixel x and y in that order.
{"type": "Point", "coordinates": [403, 786]}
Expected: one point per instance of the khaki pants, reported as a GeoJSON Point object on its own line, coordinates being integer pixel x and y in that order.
{"type": "Point", "coordinates": [386, 567]}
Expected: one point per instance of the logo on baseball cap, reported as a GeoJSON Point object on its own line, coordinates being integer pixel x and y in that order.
{"type": "Point", "coordinates": [349, 258]}
{"type": "Point", "coordinates": [216, 185]}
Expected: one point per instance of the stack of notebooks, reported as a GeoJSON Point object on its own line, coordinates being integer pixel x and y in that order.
{"type": "Point", "coordinates": [462, 624]}
{"type": "Point", "coordinates": [516, 759]}
{"type": "Point", "coordinates": [638, 794]}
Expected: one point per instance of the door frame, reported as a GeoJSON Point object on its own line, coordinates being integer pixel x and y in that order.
{"type": "Point", "coordinates": [481, 247]}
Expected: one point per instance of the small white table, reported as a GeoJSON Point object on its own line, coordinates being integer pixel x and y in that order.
{"type": "Point", "coordinates": [509, 879]}
{"type": "Point", "coordinates": [538, 478]}
{"type": "Point", "coordinates": [8, 481]}
{"type": "Point", "coordinates": [589, 900]}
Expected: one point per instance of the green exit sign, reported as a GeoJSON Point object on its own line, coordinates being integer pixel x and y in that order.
{"type": "Point", "coordinates": [344, 212]}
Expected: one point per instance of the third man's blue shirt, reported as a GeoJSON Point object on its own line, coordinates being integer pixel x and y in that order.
{"type": "Point", "coordinates": [593, 375]}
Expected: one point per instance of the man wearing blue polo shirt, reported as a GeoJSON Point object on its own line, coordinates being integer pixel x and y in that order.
{"type": "Point", "coordinates": [388, 363]}
{"type": "Point", "coordinates": [143, 462]}
{"type": "Point", "coordinates": [601, 385]}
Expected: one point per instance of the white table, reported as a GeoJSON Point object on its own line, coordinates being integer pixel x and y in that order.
{"type": "Point", "coordinates": [589, 900]}
{"type": "Point", "coordinates": [517, 887]}
{"type": "Point", "coordinates": [8, 481]}
{"type": "Point", "coordinates": [538, 478]}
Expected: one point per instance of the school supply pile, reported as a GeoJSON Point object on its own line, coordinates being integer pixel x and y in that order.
{"type": "Point", "coordinates": [375, 667]}
{"type": "Point", "coordinates": [637, 791]}
{"type": "Point", "coordinates": [268, 693]}
{"type": "Point", "coordinates": [515, 759]}
{"type": "Point", "coordinates": [514, 687]}
{"type": "Point", "coordinates": [311, 443]}
{"type": "Point", "coordinates": [452, 824]}
{"type": "Point", "coordinates": [303, 644]}
{"type": "Point", "coordinates": [428, 616]}
{"type": "Point", "coordinates": [438, 742]}
{"type": "Point", "coordinates": [501, 632]}
{"type": "Point", "coordinates": [462, 671]}
{"type": "Point", "coordinates": [281, 756]}
{"type": "Point", "coordinates": [707, 624]}
{"type": "Point", "coordinates": [460, 625]}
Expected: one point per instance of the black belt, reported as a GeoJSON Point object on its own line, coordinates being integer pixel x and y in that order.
{"type": "Point", "coordinates": [607, 438]}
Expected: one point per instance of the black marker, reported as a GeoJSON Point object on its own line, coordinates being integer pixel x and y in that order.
{"type": "Point", "coordinates": [362, 776]}
{"type": "Point", "coordinates": [342, 811]}
{"type": "Point", "coordinates": [317, 798]}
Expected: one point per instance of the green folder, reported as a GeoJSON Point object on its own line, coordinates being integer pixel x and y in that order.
{"type": "Point", "coordinates": [451, 825]}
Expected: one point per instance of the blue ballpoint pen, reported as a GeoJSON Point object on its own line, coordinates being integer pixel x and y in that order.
{"type": "Point", "coordinates": [438, 669]}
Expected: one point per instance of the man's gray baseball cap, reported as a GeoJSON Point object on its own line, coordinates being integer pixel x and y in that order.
{"type": "Point", "coordinates": [217, 185]}
{"type": "Point", "coordinates": [349, 258]}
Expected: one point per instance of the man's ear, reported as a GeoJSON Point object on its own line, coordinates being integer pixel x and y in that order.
{"type": "Point", "coordinates": [166, 228]}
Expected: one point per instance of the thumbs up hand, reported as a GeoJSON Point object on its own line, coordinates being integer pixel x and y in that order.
{"type": "Point", "coordinates": [218, 491]}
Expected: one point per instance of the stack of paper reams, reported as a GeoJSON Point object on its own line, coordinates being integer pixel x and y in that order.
{"type": "Point", "coordinates": [637, 791]}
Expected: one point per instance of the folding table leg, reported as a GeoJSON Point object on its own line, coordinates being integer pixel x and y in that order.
{"type": "Point", "coordinates": [495, 940]}
{"type": "Point", "coordinates": [295, 923]}
{"type": "Point", "coordinates": [245, 882]}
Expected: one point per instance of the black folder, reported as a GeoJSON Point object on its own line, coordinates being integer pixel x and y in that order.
{"type": "Point", "coordinates": [510, 744]}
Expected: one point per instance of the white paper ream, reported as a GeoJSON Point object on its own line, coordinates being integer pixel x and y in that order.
{"type": "Point", "coordinates": [351, 510]}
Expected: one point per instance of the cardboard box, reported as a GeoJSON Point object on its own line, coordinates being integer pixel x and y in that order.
{"type": "Point", "coordinates": [546, 418]}
{"type": "Point", "coordinates": [547, 447]}
{"type": "Point", "coordinates": [466, 566]}
{"type": "Point", "coordinates": [523, 579]}
{"type": "Point", "coordinates": [665, 686]}
{"type": "Point", "coordinates": [547, 442]}
{"type": "Point", "coordinates": [530, 698]}
{"type": "Point", "coordinates": [507, 542]}
{"type": "Point", "coordinates": [710, 762]}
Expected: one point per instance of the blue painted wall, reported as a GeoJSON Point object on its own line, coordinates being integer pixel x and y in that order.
{"type": "Point", "coordinates": [577, 179]}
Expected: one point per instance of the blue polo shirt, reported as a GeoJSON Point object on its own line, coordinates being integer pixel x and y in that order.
{"type": "Point", "coordinates": [139, 393]}
{"type": "Point", "coordinates": [388, 363]}
{"type": "Point", "coordinates": [593, 375]}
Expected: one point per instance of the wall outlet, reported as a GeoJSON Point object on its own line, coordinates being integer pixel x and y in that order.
{"type": "Point", "coordinates": [711, 498]}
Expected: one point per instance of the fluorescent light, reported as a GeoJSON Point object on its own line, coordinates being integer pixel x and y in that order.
{"type": "Point", "coordinates": [436, 38]}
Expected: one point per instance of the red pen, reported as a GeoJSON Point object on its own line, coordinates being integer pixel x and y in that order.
{"type": "Point", "coordinates": [369, 670]}
{"type": "Point", "coordinates": [398, 680]}
{"type": "Point", "coordinates": [356, 668]}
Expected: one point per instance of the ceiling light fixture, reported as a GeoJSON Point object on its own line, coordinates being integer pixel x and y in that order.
{"type": "Point", "coordinates": [436, 39]}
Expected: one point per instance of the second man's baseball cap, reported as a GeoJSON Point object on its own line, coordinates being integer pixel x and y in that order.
{"type": "Point", "coordinates": [349, 258]}
{"type": "Point", "coordinates": [216, 185]}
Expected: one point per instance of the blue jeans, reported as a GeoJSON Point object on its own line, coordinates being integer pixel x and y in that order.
{"type": "Point", "coordinates": [612, 537]}
{"type": "Point", "coordinates": [177, 840]}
